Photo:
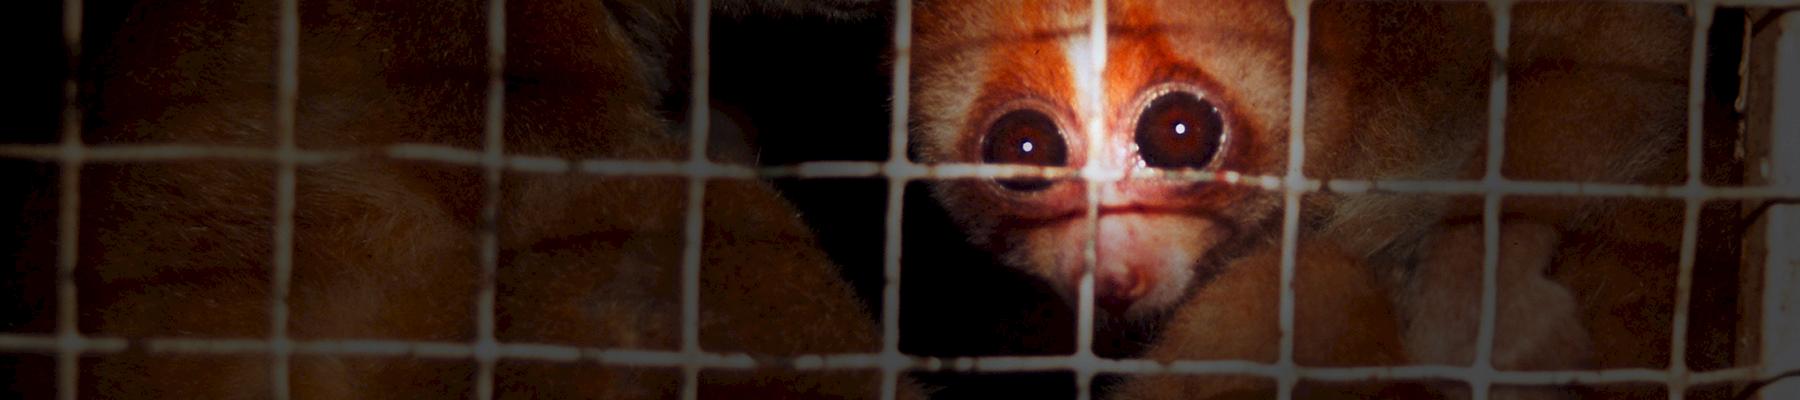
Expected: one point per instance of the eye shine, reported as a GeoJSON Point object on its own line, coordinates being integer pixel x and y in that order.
{"type": "Point", "coordinates": [1168, 106]}
{"type": "Point", "coordinates": [1179, 130]}
{"type": "Point", "coordinates": [1025, 137]}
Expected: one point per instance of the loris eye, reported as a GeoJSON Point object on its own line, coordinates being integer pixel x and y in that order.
{"type": "Point", "coordinates": [1026, 137]}
{"type": "Point", "coordinates": [1179, 130]}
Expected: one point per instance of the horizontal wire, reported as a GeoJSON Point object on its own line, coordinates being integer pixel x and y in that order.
{"type": "Point", "coordinates": [856, 361]}
{"type": "Point", "coordinates": [903, 170]}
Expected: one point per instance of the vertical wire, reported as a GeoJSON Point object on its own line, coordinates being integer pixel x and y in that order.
{"type": "Point", "coordinates": [1095, 127]}
{"type": "Point", "coordinates": [891, 359]}
{"type": "Point", "coordinates": [1690, 223]}
{"type": "Point", "coordinates": [287, 96]}
{"type": "Point", "coordinates": [492, 162]}
{"type": "Point", "coordinates": [690, 257]}
{"type": "Point", "coordinates": [1301, 13]}
{"type": "Point", "coordinates": [1780, 333]}
{"type": "Point", "coordinates": [1493, 178]}
{"type": "Point", "coordinates": [69, 343]}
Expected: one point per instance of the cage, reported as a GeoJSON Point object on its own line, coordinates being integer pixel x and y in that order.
{"type": "Point", "coordinates": [1739, 149]}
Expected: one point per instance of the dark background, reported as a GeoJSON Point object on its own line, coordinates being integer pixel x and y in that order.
{"type": "Point", "coordinates": [814, 89]}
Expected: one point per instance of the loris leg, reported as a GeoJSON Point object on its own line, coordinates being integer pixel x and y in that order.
{"type": "Point", "coordinates": [1537, 325]}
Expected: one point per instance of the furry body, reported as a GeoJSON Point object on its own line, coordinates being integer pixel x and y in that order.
{"type": "Point", "coordinates": [388, 249]}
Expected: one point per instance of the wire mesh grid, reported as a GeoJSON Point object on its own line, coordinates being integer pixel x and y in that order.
{"type": "Point", "coordinates": [69, 344]}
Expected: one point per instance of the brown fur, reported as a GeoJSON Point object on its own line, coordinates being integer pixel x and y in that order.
{"type": "Point", "coordinates": [387, 249]}
{"type": "Point", "coordinates": [1342, 318]}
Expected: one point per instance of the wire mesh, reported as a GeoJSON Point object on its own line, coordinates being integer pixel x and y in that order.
{"type": "Point", "coordinates": [69, 344]}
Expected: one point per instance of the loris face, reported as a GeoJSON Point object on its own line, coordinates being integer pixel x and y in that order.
{"type": "Point", "coordinates": [1187, 86]}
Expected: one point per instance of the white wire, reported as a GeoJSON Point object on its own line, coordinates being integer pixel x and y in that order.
{"type": "Point", "coordinates": [1301, 12]}
{"type": "Point", "coordinates": [1094, 98]}
{"type": "Point", "coordinates": [897, 147]}
{"type": "Point", "coordinates": [699, 110]}
{"type": "Point", "coordinates": [492, 162]}
{"type": "Point", "coordinates": [70, 154]}
{"type": "Point", "coordinates": [281, 274]}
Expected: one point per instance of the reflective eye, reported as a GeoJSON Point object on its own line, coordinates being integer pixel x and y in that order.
{"type": "Point", "coordinates": [1179, 130]}
{"type": "Point", "coordinates": [1025, 137]}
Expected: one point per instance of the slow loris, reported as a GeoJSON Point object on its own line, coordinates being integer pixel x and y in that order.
{"type": "Point", "coordinates": [1395, 91]}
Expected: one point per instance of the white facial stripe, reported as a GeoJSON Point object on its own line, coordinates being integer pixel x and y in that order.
{"type": "Point", "coordinates": [1079, 55]}
{"type": "Point", "coordinates": [1103, 160]}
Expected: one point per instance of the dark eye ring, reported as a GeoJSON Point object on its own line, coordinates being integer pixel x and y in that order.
{"type": "Point", "coordinates": [1179, 129]}
{"type": "Point", "coordinates": [1025, 136]}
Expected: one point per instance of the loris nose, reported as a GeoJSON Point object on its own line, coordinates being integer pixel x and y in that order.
{"type": "Point", "coordinates": [1115, 291]}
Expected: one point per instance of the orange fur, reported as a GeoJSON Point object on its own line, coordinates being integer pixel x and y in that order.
{"type": "Point", "coordinates": [1342, 318]}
